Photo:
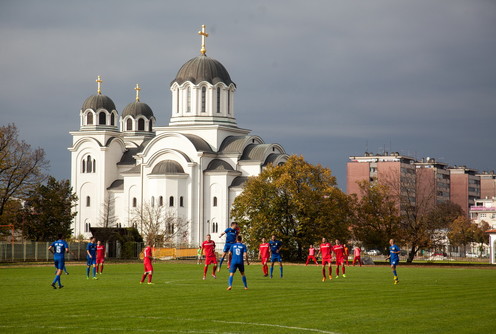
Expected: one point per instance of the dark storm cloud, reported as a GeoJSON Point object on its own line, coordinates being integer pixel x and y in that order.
{"type": "Point", "coordinates": [326, 79]}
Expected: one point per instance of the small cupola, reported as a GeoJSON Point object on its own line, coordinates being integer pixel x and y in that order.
{"type": "Point", "coordinates": [98, 111]}
{"type": "Point", "coordinates": [137, 117]}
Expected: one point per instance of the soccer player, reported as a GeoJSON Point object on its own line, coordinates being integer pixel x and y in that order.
{"type": "Point", "coordinates": [231, 233]}
{"type": "Point", "coordinates": [208, 247]}
{"type": "Point", "coordinates": [58, 248]}
{"type": "Point", "coordinates": [275, 254]}
{"type": "Point", "coordinates": [346, 254]}
{"type": "Point", "coordinates": [339, 251]}
{"type": "Point", "coordinates": [100, 257]}
{"type": "Point", "coordinates": [199, 253]}
{"type": "Point", "coordinates": [147, 262]}
{"type": "Point", "coordinates": [263, 255]}
{"type": "Point", "coordinates": [356, 256]}
{"type": "Point", "coordinates": [91, 258]}
{"type": "Point", "coordinates": [239, 253]}
{"type": "Point", "coordinates": [394, 259]}
{"type": "Point", "coordinates": [325, 249]}
{"type": "Point", "coordinates": [311, 256]}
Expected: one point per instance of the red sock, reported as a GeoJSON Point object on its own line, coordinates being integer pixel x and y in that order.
{"type": "Point", "coordinates": [205, 271]}
{"type": "Point", "coordinates": [150, 278]}
{"type": "Point", "coordinates": [143, 278]}
{"type": "Point", "coordinates": [330, 271]}
{"type": "Point", "coordinates": [101, 269]}
{"type": "Point", "coordinates": [213, 270]}
{"type": "Point", "coordinates": [337, 271]}
{"type": "Point", "coordinates": [344, 270]}
{"type": "Point", "coordinates": [323, 272]}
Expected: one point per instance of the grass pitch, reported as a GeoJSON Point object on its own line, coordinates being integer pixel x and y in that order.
{"type": "Point", "coordinates": [427, 300]}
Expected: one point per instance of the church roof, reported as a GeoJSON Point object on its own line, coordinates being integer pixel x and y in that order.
{"type": "Point", "coordinates": [127, 157]}
{"type": "Point", "coordinates": [203, 68]}
{"type": "Point", "coordinates": [219, 165]}
{"type": "Point", "coordinates": [199, 143]}
{"type": "Point", "coordinates": [236, 144]}
{"type": "Point", "coordinates": [117, 185]}
{"type": "Point", "coordinates": [136, 109]}
{"type": "Point", "coordinates": [167, 167]}
{"type": "Point", "coordinates": [98, 101]}
{"type": "Point", "coordinates": [239, 181]}
{"type": "Point", "coordinates": [255, 152]}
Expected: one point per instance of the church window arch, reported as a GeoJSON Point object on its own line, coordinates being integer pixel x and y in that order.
{"type": "Point", "coordinates": [135, 202]}
{"type": "Point", "coordinates": [203, 98]}
{"type": "Point", "coordinates": [129, 124]}
{"type": "Point", "coordinates": [152, 201]}
{"type": "Point", "coordinates": [177, 101]}
{"type": "Point", "coordinates": [161, 201]}
{"type": "Point", "coordinates": [102, 118]}
{"type": "Point", "coordinates": [141, 124]}
{"type": "Point", "coordinates": [89, 164]}
{"type": "Point", "coordinates": [218, 99]}
{"type": "Point", "coordinates": [215, 227]}
{"type": "Point", "coordinates": [112, 119]}
{"type": "Point", "coordinates": [94, 166]}
{"type": "Point", "coordinates": [87, 227]}
{"type": "Point", "coordinates": [150, 125]}
{"type": "Point", "coordinates": [181, 201]}
{"type": "Point", "coordinates": [89, 118]}
{"type": "Point", "coordinates": [171, 201]}
{"type": "Point", "coordinates": [214, 203]}
{"type": "Point", "coordinates": [229, 102]}
{"type": "Point", "coordinates": [188, 99]}
{"type": "Point", "coordinates": [88, 201]}
{"type": "Point", "coordinates": [83, 166]}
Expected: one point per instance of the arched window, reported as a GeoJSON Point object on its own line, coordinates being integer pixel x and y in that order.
{"type": "Point", "coordinates": [177, 101]}
{"type": "Point", "coordinates": [181, 201]}
{"type": "Point", "coordinates": [129, 124]}
{"type": "Point", "coordinates": [203, 97]}
{"type": "Point", "coordinates": [112, 119]}
{"type": "Point", "coordinates": [102, 118]}
{"type": "Point", "coordinates": [83, 167]}
{"type": "Point", "coordinates": [171, 201]}
{"type": "Point", "coordinates": [215, 227]}
{"type": "Point", "coordinates": [218, 99]}
{"type": "Point", "coordinates": [150, 125]}
{"type": "Point", "coordinates": [135, 202]}
{"type": "Point", "coordinates": [87, 227]}
{"type": "Point", "coordinates": [89, 164]}
{"type": "Point", "coordinates": [228, 101]}
{"type": "Point", "coordinates": [141, 124]}
{"type": "Point", "coordinates": [94, 166]}
{"type": "Point", "coordinates": [215, 201]}
{"type": "Point", "coordinates": [188, 99]}
{"type": "Point", "coordinates": [89, 119]}
{"type": "Point", "coordinates": [152, 201]}
{"type": "Point", "coordinates": [88, 201]}
{"type": "Point", "coordinates": [161, 201]}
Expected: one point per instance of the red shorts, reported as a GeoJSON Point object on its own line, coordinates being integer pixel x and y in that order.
{"type": "Point", "coordinates": [148, 266]}
{"type": "Point", "coordinates": [325, 261]}
{"type": "Point", "coordinates": [210, 260]}
{"type": "Point", "coordinates": [340, 261]}
{"type": "Point", "coordinates": [100, 260]}
{"type": "Point", "coordinates": [265, 260]}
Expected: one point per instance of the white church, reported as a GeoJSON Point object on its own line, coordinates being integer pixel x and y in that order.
{"type": "Point", "coordinates": [195, 166]}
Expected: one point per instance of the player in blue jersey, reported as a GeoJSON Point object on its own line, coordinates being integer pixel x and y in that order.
{"type": "Point", "coordinates": [394, 259]}
{"type": "Point", "coordinates": [275, 255]}
{"type": "Point", "coordinates": [231, 234]}
{"type": "Point", "coordinates": [239, 253]}
{"type": "Point", "coordinates": [91, 258]}
{"type": "Point", "coordinates": [59, 248]}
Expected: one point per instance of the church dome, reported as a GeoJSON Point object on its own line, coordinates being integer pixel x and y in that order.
{"type": "Point", "coordinates": [98, 101]}
{"type": "Point", "coordinates": [203, 68]}
{"type": "Point", "coordinates": [167, 167]}
{"type": "Point", "coordinates": [136, 109]}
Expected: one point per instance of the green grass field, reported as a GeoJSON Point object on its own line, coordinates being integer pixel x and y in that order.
{"type": "Point", "coordinates": [427, 300]}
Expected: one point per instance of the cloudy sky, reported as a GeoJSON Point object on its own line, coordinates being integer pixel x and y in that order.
{"type": "Point", "coordinates": [326, 79]}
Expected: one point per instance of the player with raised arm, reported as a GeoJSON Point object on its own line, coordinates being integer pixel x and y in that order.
{"type": "Point", "coordinates": [356, 255]}
{"type": "Point", "coordinates": [147, 263]}
{"type": "Point", "coordinates": [275, 254]}
{"type": "Point", "coordinates": [263, 255]}
{"type": "Point", "coordinates": [325, 250]}
{"type": "Point", "coordinates": [58, 248]}
{"type": "Point", "coordinates": [91, 258]}
{"type": "Point", "coordinates": [311, 256]}
{"type": "Point", "coordinates": [231, 233]}
{"type": "Point", "coordinates": [394, 259]}
{"type": "Point", "coordinates": [100, 257]}
{"type": "Point", "coordinates": [208, 247]}
{"type": "Point", "coordinates": [339, 252]}
{"type": "Point", "coordinates": [239, 253]}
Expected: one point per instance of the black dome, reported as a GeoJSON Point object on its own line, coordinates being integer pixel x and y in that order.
{"type": "Point", "coordinates": [99, 101]}
{"type": "Point", "coordinates": [203, 68]}
{"type": "Point", "coordinates": [137, 108]}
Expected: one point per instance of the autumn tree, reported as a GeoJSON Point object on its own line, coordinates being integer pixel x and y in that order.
{"type": "Point", "coordinates": [480, 235]}
{"type": "Point", "coordinates": [296, 201]}
{"type": "Point", "coordinates": [49, 210]}
{"type": "Point", "coordinates": [376, 217]}
{"type": "Point", "coordinates": [22, 168]}
{"type": "Point", "coordinates": [160, 224]}
{"type": "Point", "coordinates": [108, 217]}
{"type": "Point", "coordinates": [462, 232]}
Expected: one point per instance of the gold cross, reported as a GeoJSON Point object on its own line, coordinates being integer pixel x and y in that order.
{"type": "Point", "coordinates": [99, 82]}
{"type": "Point", "coordinates": [137, 89]}
{"type": "Point", "coordinates": [203, 35]}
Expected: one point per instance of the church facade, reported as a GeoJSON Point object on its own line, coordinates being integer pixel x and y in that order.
{"type": "Point", "coordinates": [194, 167]}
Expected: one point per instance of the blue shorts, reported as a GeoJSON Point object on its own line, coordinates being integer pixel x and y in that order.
{"type": "Point", "coordinates": [276, 257]}
{"type": "Point", "coordinates": [59, 263]}
{"type": "Point", "coordinates": [90, 260]}
{"type": "Point", "coordinates": [394, 262]}
{"type": "Point", "coordinates": [234, 266]}
{"type": "Point", "coordinates": [227, 247]}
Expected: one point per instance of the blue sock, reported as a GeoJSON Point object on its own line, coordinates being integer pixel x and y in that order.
{"type": "Point", "coordinates": [230, 280]}
{"type": "Point", "coordinates": [88, 272]}
{"type": "Point", "coordinates": [271, 271]}
{"type": "Point", "coordinates": [280, 268]}
{"type": "Point", "coordinates": [94, 271]}
{"type": "Point", "coordinates": [220, 263]}
{"type": "Point", "coordinates": [244, 281]}
{"type": "Point", "coordinates": [55, 279]}
{"type": "Point", "coordinates": [394, 273]}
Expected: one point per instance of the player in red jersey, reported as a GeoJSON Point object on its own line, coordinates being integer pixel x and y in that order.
{"type": "Point", "coordinates": [263, 255]}
{"type": "Point", "coordinates": [325, 249]}
{"type": "Point", "coordinates": [147, 262]}
{"type": "Point", "coordinates": [338, 250]}
{"type": "Point", "coordinates": [356, 256]}
{"type": "Point", "coordinates": [208, 247]}
{"type": "Point", "coordinates": [346, 254]}
{"type": "Point", "coordinates": [311, 256]}
{"type": "Point", "coordinates": [100, 257]}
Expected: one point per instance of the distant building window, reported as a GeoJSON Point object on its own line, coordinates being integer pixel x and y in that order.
{"type": "Point", "coordinates": [161, 201]}
{"type": "Point", "coordinates": [177, 101]}
{"type": "Point", "coordinates": [89, 164]}
{"type": "Point", "coordinates": [150, 126]}
{"type": "Point", "coordinates": [171, 201]}
{"type": "Point", "coordinates": [152, 201]}
{"type": "Point", "coordinates": [83, 166]}
{"type": "Point", "coordinates": [89, 119]}
{"type": "Point", "coordinates": [188, 99]}
{"type": "Point", "coordinates": [218, 99]}
{"type": "Point", "coordinates": [215, 201]}
{"type": "Point", "coordinates": [135, 202]}
{"type": "Point", "coordinates": [141, 124]}
{"type": "Point", "coordinates": [181, 201]}
{"type": "Point", "coordinates": [87, 227]}
{"type": "Point", "coordinates": [129, 124]}
{"type": "Point", "coordinates": [112, 119]}
{"type": "Point", "coordinates": [88, 201]}
{"type": "Point", "coordinates": [215, 227]}
{"type": "Point", "coordinates": [102, 118]}
{"type": "Point", "coordinates": [228, 101]}
{"type": "Point", "coordinates": [170, 228]}
{"type": "Point", "coordinates": [203, 98]}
